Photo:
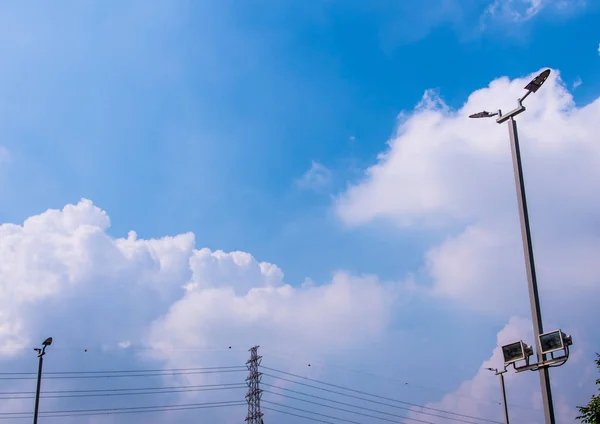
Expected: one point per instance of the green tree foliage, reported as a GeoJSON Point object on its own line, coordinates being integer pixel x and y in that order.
{"type": "Point", "coordinates": [590, 414]}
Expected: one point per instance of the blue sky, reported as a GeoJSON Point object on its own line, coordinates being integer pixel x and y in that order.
{"type": "Point", "coordinates": [192, 113]}
{"type": "Point", "coordinates": [202, 117]}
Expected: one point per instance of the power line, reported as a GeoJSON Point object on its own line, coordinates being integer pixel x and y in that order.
{"type": "Point", "coordinates": [368, 400]}
{"type": "Point", "coordinates": [130, 393]}
{"type": "Point", "coordinates": [72, 377]}
{"type": "Point", "coordinates": [125, 410]}
{"type": "Point", "coordinates": [340, 403]}
{"type": "Point", "coordinates": [287, 355]}
{"type": "Point", "coordinates": [241, 367]}
{"type": "Point", "coordinates": [374, 401]}
{"type": "Point", "coordinates": [314, 413]}
{"type": "Point", "coordinates": [125, 389]}
{"type": "Point", "coordinates": [353, 412]}
{"type": "Point", "coordinates": [373, 395]}
{"type": "Point", "coordinates": [297, 415]}
{"type": "Point", "coordinates": [199, 388]}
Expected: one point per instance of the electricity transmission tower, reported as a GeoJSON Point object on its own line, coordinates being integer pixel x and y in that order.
{"type": "Point", "coordinates": [254, 392]}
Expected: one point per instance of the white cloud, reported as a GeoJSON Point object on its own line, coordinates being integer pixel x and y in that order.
{"type": "Point", "coordinates": [317, 177]}
{"type": "Point", "coordinates": [454, 175]}
{"type": "Point", "coordinates": [319, 318]}
{"type": "Point", "coordinates": [524, 10]}
{"type": "Point", "coordinates": [577, 82]}
{"type": "Point", "coordinates": [444, 170]}
{"type": "Point", "coordinates": [200, 296]}
{"type": "Point", "coordinates": [61, 274]}
{"type": "Point", "coordinates": [515, 10]}
{"type": "Point", "coordinates": [58, 257]}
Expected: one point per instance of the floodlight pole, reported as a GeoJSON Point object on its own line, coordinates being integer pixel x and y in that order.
{"type": "Point", "coordinates": [534, 300]}
{"type": "Point", "coordinates": [536, 314]}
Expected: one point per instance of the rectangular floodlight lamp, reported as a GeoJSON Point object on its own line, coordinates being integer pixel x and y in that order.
{"type": "Point", "coordinates": [551, 342]}
{"type": "Point", "coordinates": [514, 352]}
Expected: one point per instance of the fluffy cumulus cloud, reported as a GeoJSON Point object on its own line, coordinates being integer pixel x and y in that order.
{"type": "Point", "coordinates": [62, 274]}
{"type": "Point", "coordinates": [283, 315]}
{"type": "Point", "coordinates": [62, 264]}
{"type": "Point", "coordinates": [453, 175]}
{"type": "Point", "coordinates": [445, 171]}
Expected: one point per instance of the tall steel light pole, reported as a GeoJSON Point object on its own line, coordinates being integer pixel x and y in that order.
{"type": "Point", "coordinates": [534, 300]}
{"type": "Point", "coordinates": [501, 374]}
{"type": "Point", "coordinates": [41, 352]}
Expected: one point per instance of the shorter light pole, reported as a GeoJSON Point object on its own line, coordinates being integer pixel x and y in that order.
{"type": "Point", "coordinates": [41, 352]}
{"type": "Point", "coordinates": [501, 374]}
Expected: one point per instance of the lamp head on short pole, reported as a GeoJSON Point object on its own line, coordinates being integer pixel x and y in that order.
{"type": "Point", "coordinates": [535, 84]}
{"type": "Point", "coordinates": [45, 344]}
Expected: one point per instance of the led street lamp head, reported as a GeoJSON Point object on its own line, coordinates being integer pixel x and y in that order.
{"type": "Point", "coordinates": [484, 114]}
{"type": "Point", "coordinates": [538, 81]}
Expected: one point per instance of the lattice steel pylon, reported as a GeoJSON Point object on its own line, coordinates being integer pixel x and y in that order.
{"type": "Point", "coordinates": [254, 392]}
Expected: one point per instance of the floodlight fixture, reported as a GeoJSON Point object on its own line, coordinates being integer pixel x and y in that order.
{"type": "Point", "coordinates": [47, 342]}
{"type": "Point", "coordinates": [554, 341]}
{"type": "Point", "coordinates": [538, 81]}
{"type": "Point", "coordinates": [517, 351]}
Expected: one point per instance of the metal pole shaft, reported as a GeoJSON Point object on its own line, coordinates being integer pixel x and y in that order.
{"type": "Point", "coordinates": [506, 421]}
{"type": "Point", "coordinates": [37, 392]}
{"type": "Point", "coordinates": [534, 300]}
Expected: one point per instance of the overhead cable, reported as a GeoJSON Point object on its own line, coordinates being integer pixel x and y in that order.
{"type": "Point", "coordinates": [126, 392]}
{"type": "Point", "coordinates": [372, 395]}
{"type": "Point", "coordinates": [125, 410]}
{"type": "Point", "coordinates": [353, 412]}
